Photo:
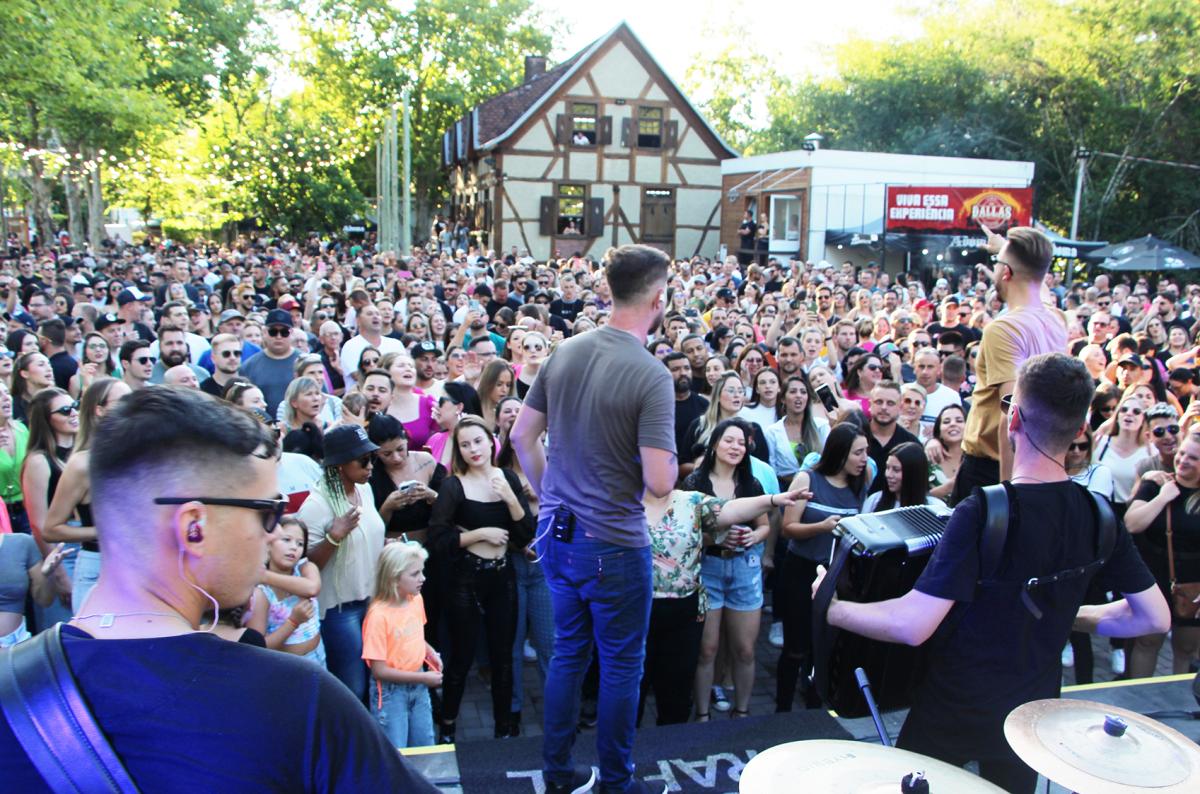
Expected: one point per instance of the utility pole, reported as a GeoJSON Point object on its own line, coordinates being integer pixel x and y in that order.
{"type": "Point", "coordinates": [406, 207]}
{"type": "Point", "coordinates": [1082, 156]}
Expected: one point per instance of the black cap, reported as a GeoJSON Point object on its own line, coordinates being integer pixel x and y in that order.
{"type": "Point", "coordinates": [279, 317]}
{"type": "Point", "coordinates": [1132, 358]}
{"type": "Point", "coordinates": [105, 320]}
{"type": "Point", "coordinates": [423, 348]}
{"type": "Point", "coordinates": [345, 443]}
{"type": "Point", "coordinates": [725, 293]}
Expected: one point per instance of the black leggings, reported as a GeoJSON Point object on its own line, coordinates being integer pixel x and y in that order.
{"type": "Point", "coordinates": [795, 583]}
{"type": "Point", "coordinates": [473, 596]}
{"type": "Point", "coordinates": [672, 652]}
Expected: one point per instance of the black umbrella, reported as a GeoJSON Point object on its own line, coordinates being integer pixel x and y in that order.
{"type": "Point", "coordinates": [1146, 253]}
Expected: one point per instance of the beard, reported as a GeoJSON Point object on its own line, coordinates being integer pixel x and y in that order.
{"type": "Point", "coordinates": [174, 359]}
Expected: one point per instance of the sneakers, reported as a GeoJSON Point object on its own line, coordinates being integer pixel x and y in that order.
{"type": "Point", "coordinates": [582, 780]}
{"type": "Point", "coordinates": [530, 653]}
{"type": "Point", "coordinates": [775, 637]}
{"type": "Point", "coordinates": [1118, 662]}
{"type": "Point", "coordinates": [1068, 656]}
{"type": "Point", "coordinates": [720, 701]}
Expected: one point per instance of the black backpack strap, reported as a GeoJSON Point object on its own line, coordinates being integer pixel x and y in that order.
{"type": "Point", "coordinates": [995, 503]}
{"type": "Point", "coordinates": [51, 720]}
{"type": "Point", "coordinates": [1106, 526]}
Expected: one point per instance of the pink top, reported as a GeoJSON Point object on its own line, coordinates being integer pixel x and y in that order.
{"type": "Point", "coordinates": [420, 429]}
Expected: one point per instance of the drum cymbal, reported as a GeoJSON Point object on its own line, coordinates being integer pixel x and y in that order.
{"type": "Point", "coordinates": [843, 767]}
{"type": "Point", "coordinates": [1095, 748]}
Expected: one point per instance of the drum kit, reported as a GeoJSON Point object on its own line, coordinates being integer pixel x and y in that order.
{"type": "Point", "coordinates": [1086, 747]}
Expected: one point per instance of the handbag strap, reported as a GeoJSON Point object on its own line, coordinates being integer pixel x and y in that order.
{"type": "Point", "coordinates": [1170, 548]}
{"type": "Point", "coordinates": [48, 715]}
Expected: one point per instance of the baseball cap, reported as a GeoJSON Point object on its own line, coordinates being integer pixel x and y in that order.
{"type": "Point", "coordinates": [131, 295]}
{"type": "Point", "coordinates": [423, 348]}
{"type": "Point", "coordinates": [923, 304]}
{"type": "Point", "coordinates": [287, 302]}
{"type": "Point", "coordinates": [279, 317]}
{"type": "Point", "coordinates": [1131, 358]}
{"type": "Point", "coordinates": [941, 282]}
{"type": "Point", "coordinates": [230, 314]}
{"type": "Point", "coordinates": [725, 293]}
{"type": "Point", "coordinates": [105, 320]}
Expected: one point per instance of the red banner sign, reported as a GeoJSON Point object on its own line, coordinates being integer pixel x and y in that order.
{"type": "Point", "coordinates": [957, 209]}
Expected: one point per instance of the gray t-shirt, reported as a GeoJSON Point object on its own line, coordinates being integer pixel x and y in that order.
{"type": "Point", "coordinates": [18, 553]}
{"type": "Point", "coordinates": [604, 395]}
{"type": "Point", "coordinates": [270, 375]}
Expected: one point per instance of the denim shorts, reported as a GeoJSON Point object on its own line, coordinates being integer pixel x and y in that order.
{"type": "Point", "coordinates": [735, 583]}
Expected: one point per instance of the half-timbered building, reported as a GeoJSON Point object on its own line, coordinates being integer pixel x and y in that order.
{"type": "Point", "coordinates": [602, 149]}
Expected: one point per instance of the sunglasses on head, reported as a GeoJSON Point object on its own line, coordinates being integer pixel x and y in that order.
{"type": "Point", "coordinates": [67, 409]}
{"type": "Point", "coordinates": [1159, 432]}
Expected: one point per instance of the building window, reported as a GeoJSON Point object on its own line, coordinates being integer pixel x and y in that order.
{"type": "Point", "coordinates": [649, 128]}
{"type": "Point", "coordinates": [571, 200]}
{"type": "Point", "coordinates": [583, 123]}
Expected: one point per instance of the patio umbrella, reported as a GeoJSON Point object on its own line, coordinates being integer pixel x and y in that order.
{"type": "Point", "coordinates": [1146, 253]}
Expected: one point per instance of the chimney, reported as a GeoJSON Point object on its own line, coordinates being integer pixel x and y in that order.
{"type": "Point", "coordinates": [813, 141]}
{"type": "Point", "coordinates": [535, 66]}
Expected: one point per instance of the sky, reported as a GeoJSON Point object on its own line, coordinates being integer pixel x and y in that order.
{"type": "Point", "coordinates": [798, 37]}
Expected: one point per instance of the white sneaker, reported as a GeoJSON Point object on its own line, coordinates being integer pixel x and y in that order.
{"type": "Point", "coordinates": [719, 700]}
{"type": "Point", "coordinates": [776, 635]}
{"type": "Point", "coordinates": [530, 653]}
{"type": "Point", "coordinates": [1118, 662]}
{"type": "Point", "coordinates": [1068, 656]}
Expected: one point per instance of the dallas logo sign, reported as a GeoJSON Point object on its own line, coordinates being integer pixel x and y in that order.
{"type": "Point", "coordinates": [950, 210]}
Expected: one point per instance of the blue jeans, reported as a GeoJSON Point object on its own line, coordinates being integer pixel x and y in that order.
{"type": "Point", "coordinates": [404, 712]}
{"type": "Point", "coordinates": [87, 573]}
{"type": "Point", "coordinates": [535, 620]}
{"type": "Point", "coordinates": [341, 633]}
{"type": "Point", "coordinates": [600, 591]}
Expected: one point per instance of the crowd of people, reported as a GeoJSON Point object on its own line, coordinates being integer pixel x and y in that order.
{"type": "Point", "coordinates": [803, 393]}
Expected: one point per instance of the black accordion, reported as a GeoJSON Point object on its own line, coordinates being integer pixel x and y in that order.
{"type": "Point", "coordinates": [877, 556]}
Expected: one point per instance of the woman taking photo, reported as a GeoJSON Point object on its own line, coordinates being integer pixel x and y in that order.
{"type": "Point", "coordinates": [948, 429]}
{"type": "Point", "coordinates": [14, 438]}
{"type": "Point", "coordinates": [345, 537]}
{"type": "Point", "coordinates": [53, 424]}
{"type": "Point", "coordinates": [97, 362]}
{"type": "Point", "coordinates": [69, 518]}
{"type": "Point", "coordinates": [906, 480]}
{"type": "Point", "coordinates": [799, 432]}
{"type": "Point", "coordinates": [1168, 519]}
{"type": "Point", "coordinates": [728, 398]}
{"type": "Point", "coordinates": [1124, 448]}
{"type": "Point", "coordinates": [838, 484]}
{"type": "Point", "coordinates": [749, 362]}
{"type": "Point", "coordinates": [31, 374]}
{"type": "Point", "coordinates": [731, 571]}
{"type": "Point", "coordinates": [412, 408]}
{"type": "Point", "coordinates": [481, 514]}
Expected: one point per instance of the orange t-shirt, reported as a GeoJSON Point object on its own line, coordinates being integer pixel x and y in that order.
{"type": "Point", "coordinates": [395, 634]}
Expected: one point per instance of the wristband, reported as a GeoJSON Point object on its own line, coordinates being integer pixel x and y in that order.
{"type": "Point", "coordinates": [772, 500]}
{"type": "Point", "coordinates": [294, 623]}
{"type": "Point", "coordinates": [329, 539]}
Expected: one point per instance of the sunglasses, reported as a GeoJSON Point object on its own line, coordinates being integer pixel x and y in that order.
{"type": "Point", "coordinates": [144, 360]}
{"type": "Point", "coordinates": [1159, 432]}
{"type": "Point", "coordinates": [534, 347]}
{"type": "Point", "coordinates": [873, 367]}
{"type": "Point", "coordinates": [271, 509]}
{"type": "Point", "coordinates": [279, 330]}
{"type": "Point", "coordinates": [1131, 409]}
{"type": "Point", "coordinates": [370, 362]}
{"type": "Point", "coordinates": [1081, 446]}
{"type": "Point", "coordinates": [231, 354]}
{"type": "Point", "coordinates": [68, 409]}
{"type": "Point", "coordinates": [945, 353]}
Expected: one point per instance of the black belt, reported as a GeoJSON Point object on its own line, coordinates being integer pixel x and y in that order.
{"type": "Point", "coordinates": [477, 563]}
{"type": "Point", "coordinates": [722, 552]}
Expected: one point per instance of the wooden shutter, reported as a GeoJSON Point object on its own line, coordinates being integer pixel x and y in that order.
{"type": "Point", "coordinates": [547, 216]}
{"type": "Point", "coordinates": [627, 133]}
{"type": "Point", "coordinates": [593, 226]}
{"type": "Point", "coordinates": [563, 127]}
{"type": "Point", "coordinates": [670, 134]}
{"type": "Point", "coordinates": [605, 134]}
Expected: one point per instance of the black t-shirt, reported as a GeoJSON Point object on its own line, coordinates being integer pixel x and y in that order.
{"type": "Point", "coordinates": [210, 386]}
{"type": "Point", "coordinates": [64, 367]}
{"type": "Point", "coordinates": [686, 412]}
{"type": "Point", "coordinates": [968, 333]}
{"type": "Point", "coordinates": [990, 655]}
{"type": "Point", "coordinates": [1185, 539]}
{"type": "Point", "coordinates": [199, 713]}
{"type": "Point", "coordinates": [879, 453]}
{"type": "Point", "coordinates": [494, 306]}
{"type": "Point", "coordinates": [568, 310]}
{"type": "Point", "coordinates": [747, 239]}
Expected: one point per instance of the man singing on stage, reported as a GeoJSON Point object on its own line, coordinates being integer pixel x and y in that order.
{"type": "Point", "coordinates": [610, 409]}
{"type": "Point", "coordinates": [996, 644]}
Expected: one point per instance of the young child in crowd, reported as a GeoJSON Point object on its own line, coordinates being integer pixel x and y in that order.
{"type": "Point", "coordinates": [285, 603]}
{"type": "Point", "coordinates": [403, 666]}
